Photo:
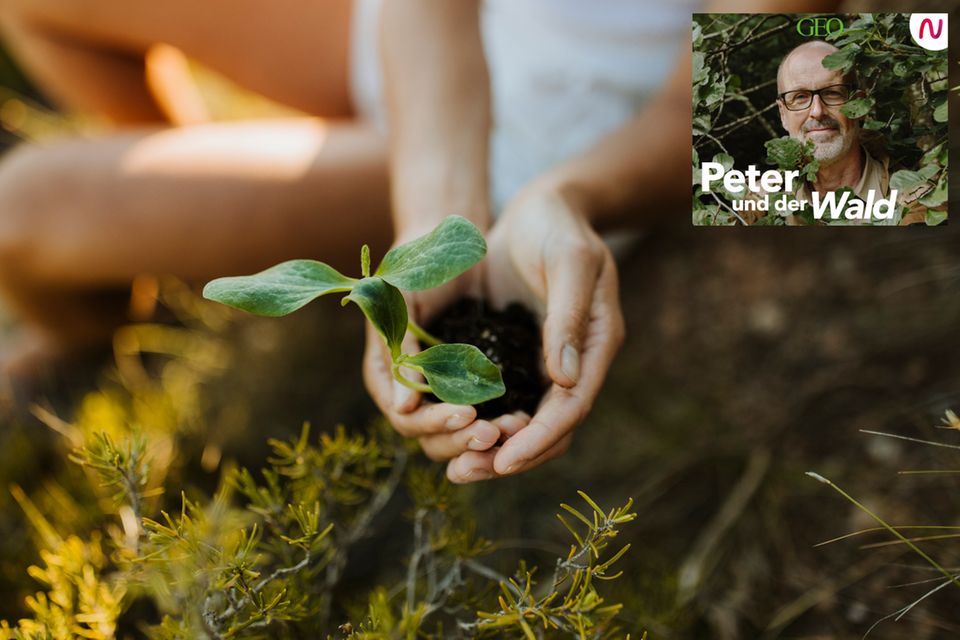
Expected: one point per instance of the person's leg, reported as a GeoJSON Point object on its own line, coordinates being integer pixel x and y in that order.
{"type": "Point", "coordinates": [89, 53]}
{"type": "Point", "coordinates": [81, 77]}
{"type": "Point", "coordinates": [81, 218]}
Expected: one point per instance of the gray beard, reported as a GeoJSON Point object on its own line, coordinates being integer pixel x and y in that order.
{"type": "Point", "coordinates": [826, 153]}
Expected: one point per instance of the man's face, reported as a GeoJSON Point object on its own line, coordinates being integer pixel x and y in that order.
{"type": "Point", "coordinates": [832, 133]}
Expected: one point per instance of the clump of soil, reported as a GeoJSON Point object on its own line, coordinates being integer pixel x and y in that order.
{"type": "Point", "coordinates": [510, 338]}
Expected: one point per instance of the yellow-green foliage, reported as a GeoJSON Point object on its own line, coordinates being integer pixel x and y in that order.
{"type": "Point", "coordinates": [266, 554]}
{"type": "Point", "coordinates": [78, 600]}
{"type": "Point", "coordinates": [269, 567]}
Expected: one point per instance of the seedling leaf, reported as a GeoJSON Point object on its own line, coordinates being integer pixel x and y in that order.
{"type": "Point", "coordinates": [279, 290]}
{"type": "Point", "coordinates": [458, 373]}
{"type": "Point", "coordinates": [438, 257]}
{"type": "Point", "coordinates": [365, 260]}
{"type": "Point", "coordinates": [385, 308]}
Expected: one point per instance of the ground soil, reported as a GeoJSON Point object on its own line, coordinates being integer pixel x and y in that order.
{"type": "Point", "coordinates": [510, 338]}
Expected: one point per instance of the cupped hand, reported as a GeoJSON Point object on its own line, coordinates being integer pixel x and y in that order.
{"type": "Point", "coordinates": [544, 253]}
{"type": "Point", "coordinates": [444, 430]}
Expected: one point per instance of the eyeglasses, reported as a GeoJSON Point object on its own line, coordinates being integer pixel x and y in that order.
{"type": "Point", "coordinates": [834, 95]}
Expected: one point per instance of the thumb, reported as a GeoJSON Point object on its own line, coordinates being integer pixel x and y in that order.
{"type": "Point", "coordinates": [570, 286]}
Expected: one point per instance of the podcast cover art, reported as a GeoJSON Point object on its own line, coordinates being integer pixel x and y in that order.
{"type": "Point", "coordinates": [811, 120]}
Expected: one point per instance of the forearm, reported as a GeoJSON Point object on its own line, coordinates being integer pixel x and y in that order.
{"type": "Point", "coordinates": [438, 104]}
{"type": "Point", "coordinates": [641, 172]}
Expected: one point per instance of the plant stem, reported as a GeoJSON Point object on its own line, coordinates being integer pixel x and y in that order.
{"type": "Point", "coordinates": [933, 563]}
{"type": "Point", "coordinates": [418, 551]}
{"type": "Point", "coordinates": [421, 334]}
{"type": "Point", "coordinates": [416, 386]}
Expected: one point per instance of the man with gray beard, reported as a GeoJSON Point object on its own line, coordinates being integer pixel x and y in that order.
{"type": "Point", "coordinates": [810, 98]}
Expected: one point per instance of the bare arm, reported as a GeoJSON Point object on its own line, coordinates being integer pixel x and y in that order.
{"type": "Point", "coordinates": [438, 105]}
{"type": "Point", "coordinates": [546, 248]}
{"type": "Point", "coordinates": [438, 108]}
{"type": "Point", "coordinates": [640, 171]}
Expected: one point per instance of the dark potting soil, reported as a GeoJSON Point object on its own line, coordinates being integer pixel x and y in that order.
{"type": "Point", "coordinates": [510, 338]}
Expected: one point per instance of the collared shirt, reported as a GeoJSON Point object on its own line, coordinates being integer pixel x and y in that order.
{"type": "Point", "coordinates": [874, 177]}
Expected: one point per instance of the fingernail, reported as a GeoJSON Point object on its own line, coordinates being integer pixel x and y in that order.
{"type": "Point", "coordinates": [476, 444]}
{"type": "Point", "coordinates": [514, 466]}
{"type": "Point", "coordinates": [570, 362]}
{"type": "Point", "coordinates": [401, 395]}
{"type": "Point", "coordinates": [457, 421]}
{"type": "Point", "coordinates": [479, 474]}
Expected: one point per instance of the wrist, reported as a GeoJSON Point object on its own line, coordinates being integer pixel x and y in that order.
{"type": "Point", "coordinates": [409, 227]}
{"type": "Point", "coordinates": [425, 192]}
{"type": "Point", "coordinates": [563, 191]}
{"type": "Point", "coordinates": [604, 198]}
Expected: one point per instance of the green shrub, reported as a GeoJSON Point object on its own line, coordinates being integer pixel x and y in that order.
{"type": "Point", "coordinates": [131, 548]}
{"type": "Point", "coordinates": [264, 556]}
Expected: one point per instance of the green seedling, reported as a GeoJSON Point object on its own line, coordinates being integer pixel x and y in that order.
{"type": "Point", "coordinates": [455, 373]}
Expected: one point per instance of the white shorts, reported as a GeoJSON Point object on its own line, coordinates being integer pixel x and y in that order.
{"type": "Point", "coordinates": [365, 81]}
{"type": "Point", "coordinates": [563, 74]}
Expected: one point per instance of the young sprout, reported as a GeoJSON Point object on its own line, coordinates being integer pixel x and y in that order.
{"type": "Point", "coordinates": [455, 373]}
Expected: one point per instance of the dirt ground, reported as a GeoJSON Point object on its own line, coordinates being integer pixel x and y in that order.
{"type": "Point", "coordinates": [753, 356]}
{"type": "Point", "coordinates": [752, 359]}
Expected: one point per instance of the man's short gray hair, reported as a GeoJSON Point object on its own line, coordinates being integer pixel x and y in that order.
{"type": "Point", "coordinates": [850, 76]}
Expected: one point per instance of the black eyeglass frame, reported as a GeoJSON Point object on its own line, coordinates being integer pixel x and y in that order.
{"type": "Point", "coordinates": [816, 92]}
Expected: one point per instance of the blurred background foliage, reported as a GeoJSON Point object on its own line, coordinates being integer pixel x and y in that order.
{"type": "Point", "coordinates": [748, 364]}
{"type": "Point", "coordinates": [904, 106]}
{"type": "Point", "coordinates": [749, 361]}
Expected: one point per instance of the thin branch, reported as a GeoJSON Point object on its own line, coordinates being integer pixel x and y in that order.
{"type": "Point", "coordinates": [724, 205]}
{"type": "Point", "coordinates": [714, 140]}
{"type": "Point", "coordinates": [233, 609]}
{"type": "Point", "coordinates": [360, 527]}
{"type": "Point", "coordinates": [729, 127]}
{"type": "Point", "coordinates": [762, 85]}
{"type": "Point", "coordinates": [732, 27]}
{"type": "Point", "coordinates": [418, 548]}
{"type": "Point", "coordinates": [487, 572]}
{"type": "Point", "coordinates": [909, 439]}
{"type": "Point", "coordinates": [762, 36]}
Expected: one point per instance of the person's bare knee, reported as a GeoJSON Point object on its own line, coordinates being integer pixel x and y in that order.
{"type": "Point", "coordinates": [38, 13]}
{"type": "Point", "coordinates": [21, 188]}
{"type": "Point", "coordinates": [26, 190]}
{"type": "Point", "coordinates": [261, 47]}
{"type": "Point", "coordinates": [34, 206]}
{"type": "Point", "coordinates": [12, 11]}
{"type": "Point", "coordinates": [14, 173]}
{"type": "Point", "coordinates": [35, 15]}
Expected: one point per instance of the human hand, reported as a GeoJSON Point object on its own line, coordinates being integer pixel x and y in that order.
{"type": "Point", "coordinates": [544, 253]}
{"type": "Point", "coordinates": [444, 430]}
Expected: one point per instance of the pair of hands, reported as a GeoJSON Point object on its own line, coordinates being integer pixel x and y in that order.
{"type": "Point", "coordinates": [544, 253]}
